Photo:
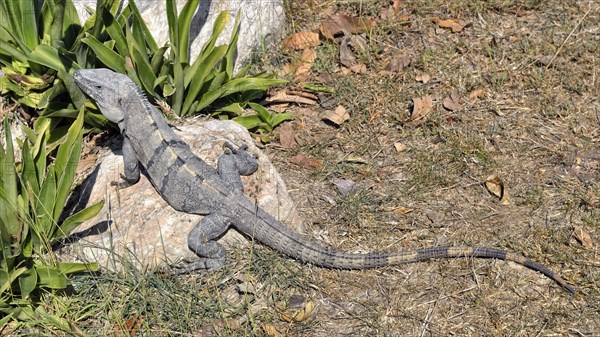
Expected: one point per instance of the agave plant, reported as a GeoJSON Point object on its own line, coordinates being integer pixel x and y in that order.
{"type": "Point", "coordinates": [33, 195]}
{"type": "Point", "coordinates": [188, 87]}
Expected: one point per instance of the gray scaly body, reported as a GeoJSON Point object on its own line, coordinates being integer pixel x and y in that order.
{"type": "Point", "coordinates": [190, 185]}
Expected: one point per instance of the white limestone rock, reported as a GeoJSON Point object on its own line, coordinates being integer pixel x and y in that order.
{"type": "Point", "coordinates": [261, 22]}
{"type": "Point", "coordinates": [138, 224]}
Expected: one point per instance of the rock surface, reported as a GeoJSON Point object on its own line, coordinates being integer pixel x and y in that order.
{"type": "Point", "coordinates": [137, 224]}
{"type": "Point", "coordinates": [260, 21]}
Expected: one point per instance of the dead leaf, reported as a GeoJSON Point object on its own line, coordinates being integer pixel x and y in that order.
{"type": "Point", "coordinates": [423, 77]}
{"type": "Point", "coordinates": [583, 236]}
{"type": "Point", "coordinates": [130, 327]}
{"type": "Point", "coordinates": [545, 60]}
{"type": "Point", "coordinates": [359, 68]}
{"type": "Point", "coordinates": [287, 136]}
{"type": "Point", "coordinates": [475, 94]}
{"type": "Point", "coordinates": [306, 162]}
{"type": "Point", "coordinates": [301, 40]}
{"type": "Point", "coordinates": [421, 108]}
{"type": "Point", "coordinates": [452, 102]}
{"type": "Point", "coordinates": [347, 57]}
{"type": "Point", "coordinates": [270, 330]}
{"type": "Point", "coordinates": [454, 25]}
{"type": "Point", "coordinates": [307, 58]}
{"type": "Point", "coordinates": [279, 107]}
{"type": "Point", "coordinates": [399, 147]}
{"type": "Point", "coordinates": [339, 25]}
{"type": "Point", "coordinates": [306, 112]}
{"type": "Point", "coordinates": [303, 94]}
{"type": "Point", "coordinates": [396, 6]}
{"type": "Point", "coordinates": [298, 309]}
{"type": "Point", "coordinates": [284, 97]}
{"type": "Point", "coordinates": [402, 210]}
{"type": "Point", "coordinates": [398, 63]}
{"type": "Point", "coordinates": [344, 186]}
{"type": "Point", "coordinates": [495, 186]}
{"type": "Point", "coordinates": [337, 116]}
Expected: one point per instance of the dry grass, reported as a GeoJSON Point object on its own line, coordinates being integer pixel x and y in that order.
{"type": "Point", "coordinates": [537, 127]}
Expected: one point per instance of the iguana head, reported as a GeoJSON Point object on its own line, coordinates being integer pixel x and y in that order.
{"type": "Point", "coordinates": [108, 88]}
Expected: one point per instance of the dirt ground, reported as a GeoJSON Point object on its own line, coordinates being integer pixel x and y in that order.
{"type": "Point", "coordinates": [525, 75]}
{"type": "Point", "coordinates": [442, 97]}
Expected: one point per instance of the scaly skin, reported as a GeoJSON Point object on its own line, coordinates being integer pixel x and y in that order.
{"type": "Point", "coordinates": [190, 185]}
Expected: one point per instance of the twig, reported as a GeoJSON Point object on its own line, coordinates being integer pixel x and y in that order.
{"type": "Point", "coordinates": [568, 36]}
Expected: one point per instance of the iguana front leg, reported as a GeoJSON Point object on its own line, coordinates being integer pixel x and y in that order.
{"type": "Point", "coordinates": [131, 166]}
{"type": "Point", "coordinates": [233, 163]}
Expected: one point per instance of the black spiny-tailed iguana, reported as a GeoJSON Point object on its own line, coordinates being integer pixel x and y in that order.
{"type": "Point", "coordinates": [190, 185]}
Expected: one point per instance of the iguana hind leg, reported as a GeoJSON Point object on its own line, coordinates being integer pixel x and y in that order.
{"type": "Point", "coordinates": [202, 241]}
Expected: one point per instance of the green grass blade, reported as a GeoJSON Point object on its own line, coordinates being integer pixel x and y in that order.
{"type": "Point", "coordinates": [66, 163]}
{"type": "Point", "coordinates": [184, 21]}
{"type": "Point", "coordinates": [109, 57]}
{"type": "Point", "coordinates": [27, 282]}
{"type": "Point", "coordinates": [51, 277]}
{"type": "Point", "coordinates": [228, 62]}
{"type": "Point", "coordinates": [8, 196]}
{"type": "Point", "coordinates": [173, 26]}
{"type": "Point", "coordinates": [157, 59]}
{"type": "Point", "coordinates": [10, 51]}
{"type": "Point", "coordinates": [44, 203]}
{"type": "Point", "coordinates": [149, 38]}
{"type": "Point", "coordinates": [74, 267]}
{"type": "Point", "coordinates": [116, 33]}
{"type": "Point", "coordinates": [56, 27]}
{"type": "Point", "coordinates": [28, 22]}
{"type": "Point", "coordinates": [207, 66]}
{"type": "Point", "coordinates": [29, 174]}
{"type": "Point", "coordinates": [233, 86]}
{"type": "Point", "coordinates": [76, 219]}
{"type": "Point", "coordinates": [220, 23]}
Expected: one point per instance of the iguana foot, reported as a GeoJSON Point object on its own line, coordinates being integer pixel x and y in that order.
{"type": "Point", "coordinates": [236, 162]}
{"type": "Point", "coordinates": [200, 264]}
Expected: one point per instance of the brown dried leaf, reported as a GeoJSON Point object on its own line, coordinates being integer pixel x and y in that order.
{"type": "Point", "coordinates": [396, 6]}
{"type": "Point", "coordinates": [545, 60]}
{"type": "Point", "coordinates": [131, 326]}
{"type": "Point", "coordinates": [301, 40]}
{"type": "Point", "coordinates": [298, 309]}
{"type": "Point", "coordinates": [359, 68]}
{"type": "Point", "coordinates": [284, 97]}
{"type": "Point", "coordinates": [423, 77]}
{"type": "Point", "coordinates": [475, 94]}
{"type": "Point", "coordinates": [398, 63]}
{"type": "Point", "coordinates": [583, 236]}
{"type": "Point", "coordinates": [306, 162]}
{"type": "Point", "coordinates": [421, 108]}
{"type": "Point", "coordinates": [454, 25]}
{"type": "Point", "coordinates": [495, 186]}
{"type": "Point", "coordinates": [452, 102]}
{"type": "Point", "coordinates": [306, 112]}
{"type": "Point", "coordinates": [402, 210]}
{"type": "Point", "coordinates": [287, 136]}
{"type": "Point", "coordinates": [399, 147]}
{"type": "Point", "coordinates": [270, 330]}
{"type": "Point", "coordinates": [339, 25]}
{"type": "Point", "coordinates": [337, 116]}
{"type": "Point", "coordinates": [347, 57]}
{"type": "Point", "coordinates": [307, 58]}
